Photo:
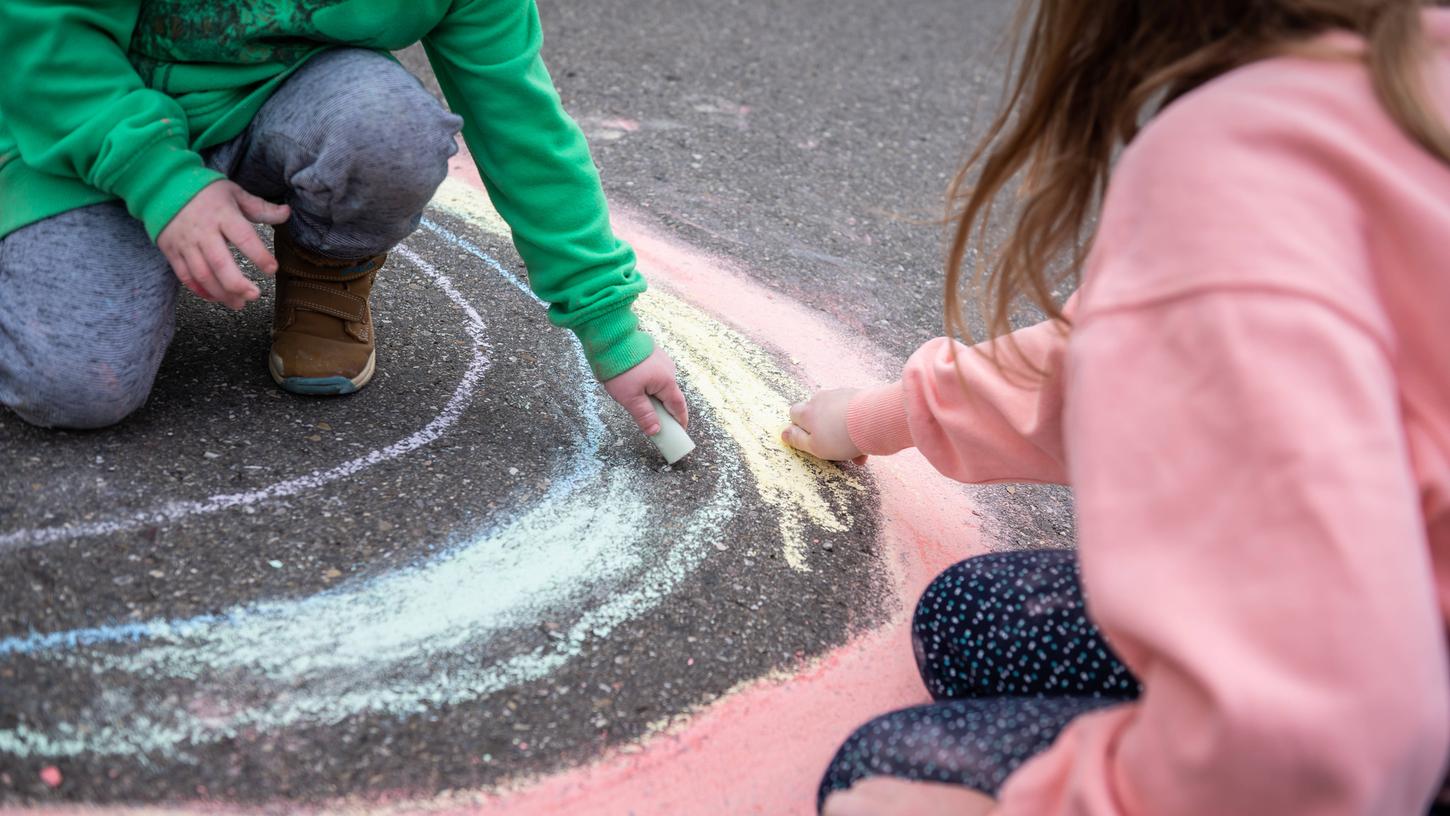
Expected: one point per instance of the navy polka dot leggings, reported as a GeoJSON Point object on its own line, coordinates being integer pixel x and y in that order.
{"type": "Point", "coordinates": [1005, 647]}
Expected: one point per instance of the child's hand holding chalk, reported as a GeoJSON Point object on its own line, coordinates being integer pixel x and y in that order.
{"type": "Point", "coordinates": [673, 443]}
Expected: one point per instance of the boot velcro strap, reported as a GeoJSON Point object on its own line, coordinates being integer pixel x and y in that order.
{"type": "Point", "coordinates": [344, 271]}
{"type": "Point", "coordinates": [302, 294]}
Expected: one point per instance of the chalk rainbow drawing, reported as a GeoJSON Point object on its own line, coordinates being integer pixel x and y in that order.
{"type": "Point", "coordinates": [747, 392]}
{"type": "Point", "coordinates": [404, 642]}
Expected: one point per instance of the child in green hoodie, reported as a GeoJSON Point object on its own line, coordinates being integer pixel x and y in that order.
{"type": "Point", "coordinates": [141, 139]}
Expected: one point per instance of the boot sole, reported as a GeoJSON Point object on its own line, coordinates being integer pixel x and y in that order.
{"type": "Point", "coordinates": [321, 386]}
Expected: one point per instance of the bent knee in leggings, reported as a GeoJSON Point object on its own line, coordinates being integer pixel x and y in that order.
{"type": "Point", "coordinates": [973, 743]}
{"type": "Point", "coordinates": [79, 384]}
{"type": "Point", "coordinates": [89, 313]}
{"type": "Point", "coordinates": [77, 401]}
{"type": "Point", "coordinates": [1013, 623]}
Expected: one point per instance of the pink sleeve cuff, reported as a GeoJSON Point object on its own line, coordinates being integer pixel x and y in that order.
{"type": "Point", "coordinates": [876, 420]}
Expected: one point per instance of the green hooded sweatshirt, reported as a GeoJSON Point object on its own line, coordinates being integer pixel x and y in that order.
{"type": "Point", "coordinates": [112, 99]}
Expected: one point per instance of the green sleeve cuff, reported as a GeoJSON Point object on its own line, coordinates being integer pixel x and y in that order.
{"type": "Point", "coordinates": [159, 181]}
{"type": "Point", "coordinates": [613, 342]}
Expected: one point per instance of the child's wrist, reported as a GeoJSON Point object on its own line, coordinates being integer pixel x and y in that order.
{"type": "Point", "coordinates": [876, 420]}
{"type": "Point", "coordinates": [613, 342]}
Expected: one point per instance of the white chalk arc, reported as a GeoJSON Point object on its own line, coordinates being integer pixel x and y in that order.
{"type": "Point", "coordinates": [433, 633]}
{"type": "Point", "coordinates": [172, 512]}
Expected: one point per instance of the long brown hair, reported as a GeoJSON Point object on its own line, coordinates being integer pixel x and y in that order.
{"type": "Point", "coordinates": [1088, 74]}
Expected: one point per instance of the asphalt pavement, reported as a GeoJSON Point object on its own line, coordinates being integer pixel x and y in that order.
{"type": "Point", "coordinates": [475, 569]}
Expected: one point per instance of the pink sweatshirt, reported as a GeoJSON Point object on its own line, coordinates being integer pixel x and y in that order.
{"type": "Point", "coordinates": [1253, 409]}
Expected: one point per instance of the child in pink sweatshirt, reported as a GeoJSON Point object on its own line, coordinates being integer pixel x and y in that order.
{"type": "Point", "coordinates": [1250, 397]}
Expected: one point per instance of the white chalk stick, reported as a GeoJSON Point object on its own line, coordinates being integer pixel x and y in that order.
{"type": "Point", "coordinates": [673, 443]}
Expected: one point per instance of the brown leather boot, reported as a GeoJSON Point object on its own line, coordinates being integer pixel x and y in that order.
{"type": "Point", "coordinates": [322, 329]}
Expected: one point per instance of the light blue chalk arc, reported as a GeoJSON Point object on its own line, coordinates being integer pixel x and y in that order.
{"type": "Point", "coordinates": [404, 643]}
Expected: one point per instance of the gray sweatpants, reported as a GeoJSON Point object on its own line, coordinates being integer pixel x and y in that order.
{"type": "Point", "coordinates": [351, 141]}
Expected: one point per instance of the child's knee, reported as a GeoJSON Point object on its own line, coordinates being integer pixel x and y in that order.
{"type": "Point", "coordinates": [82, 387]}
{"type": "Point", "coordinates": [402, 162]}
{"type": "Point", "coordinates": [367, 191]}
{"type": "Point", "coordinates": [389, 150]}
{"type": "Point", "coordinates": [960, 619]}
{"type": "Point", "coordinates": [973, 597]}
{"type": "Point", "coordinates": [74, 402]}
{"type": "Point", "coordinates": [949, 605]}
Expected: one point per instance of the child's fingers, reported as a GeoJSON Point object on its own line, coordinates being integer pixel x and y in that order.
{"type": "Point", "coordinates": [644, 414]}
{"type": "Point", "coordinates": [798, 438]}
{"type": "Point", "coordinates": [183, 274]}
{"type": "Point", "coordinates": [674, 400]}
{"type": "Point", "coordinates": [798, 414]}
{"type": "Point", "coordinates": [238, 288]}
{"type": "Point", "coordinates": [244, 238]}
{"type": "Point", "coordinates": [261, 211]}
{"type": "Point", "coordinates": [201, 273]}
